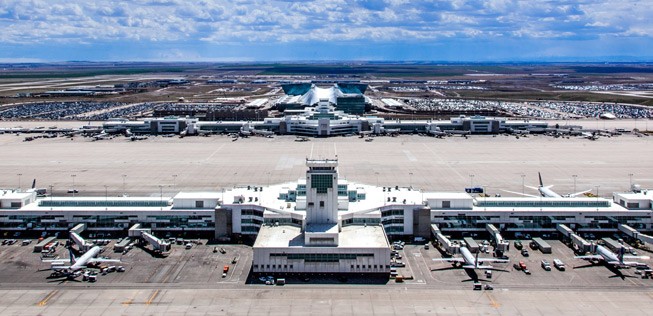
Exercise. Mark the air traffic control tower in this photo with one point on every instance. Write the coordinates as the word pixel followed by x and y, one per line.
pixel 322 244
pixel 322 224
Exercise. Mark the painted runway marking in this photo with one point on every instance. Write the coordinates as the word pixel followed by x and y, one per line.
pixel 493 302
pixel 44 301
pixel 152 297
pixel 409 155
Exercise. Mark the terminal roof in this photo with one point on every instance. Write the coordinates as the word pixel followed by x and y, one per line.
pixel 355 236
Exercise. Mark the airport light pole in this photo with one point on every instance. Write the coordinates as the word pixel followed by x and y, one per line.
pixel 51 194
pixel 20 175
pixel 377 178
pixel 174 183
pixel 630 176
pixel 73 176
pixel 485 198
pixel 597 197
pixel 411 179
pixel 574 176
pixel 124 191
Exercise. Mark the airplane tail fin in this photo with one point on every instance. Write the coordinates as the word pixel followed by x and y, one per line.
pixel 33 183
pixel 476 261
pixel 540 176
pixel 72 256
pixel 622 251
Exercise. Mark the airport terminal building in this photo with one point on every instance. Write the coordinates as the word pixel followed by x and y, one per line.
pixel 325 120
pixel 322 223
pixel 346 97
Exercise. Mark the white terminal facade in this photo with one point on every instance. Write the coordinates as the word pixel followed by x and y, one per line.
pixel 321 223
pixel 323 120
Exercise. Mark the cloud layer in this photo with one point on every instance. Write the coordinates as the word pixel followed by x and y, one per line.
pixel 186 28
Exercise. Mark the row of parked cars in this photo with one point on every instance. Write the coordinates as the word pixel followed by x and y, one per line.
pixel 395 256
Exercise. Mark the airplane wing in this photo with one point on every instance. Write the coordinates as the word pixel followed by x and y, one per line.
pixel 590 257
pixel 634 264
pixel 579 193
pixel 519 193
pixel 479 267
pixel 95 260
pixel 60 261
pixel 637 257
pixel 450 259
pixel 480 260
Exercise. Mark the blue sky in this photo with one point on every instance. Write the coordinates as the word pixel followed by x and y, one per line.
pixel 266 30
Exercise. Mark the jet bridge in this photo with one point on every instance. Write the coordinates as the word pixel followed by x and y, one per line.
pixel 443 241
pixel 160 246
pixel 633 233
pixel 81 243
pixel 579 243
pixel 500 245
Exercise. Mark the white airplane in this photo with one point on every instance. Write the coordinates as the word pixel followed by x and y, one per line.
pixel 611 258
pixel 545 191
pixel 468 261
pixel 77 264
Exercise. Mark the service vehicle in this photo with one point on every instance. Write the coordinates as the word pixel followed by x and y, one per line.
pixel 559 264
pixel 522 265
pixel 546 265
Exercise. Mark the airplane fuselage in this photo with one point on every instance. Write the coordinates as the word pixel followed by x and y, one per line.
pixel 82 261
pixel 467 256
pixel 608 256
pixel 547 192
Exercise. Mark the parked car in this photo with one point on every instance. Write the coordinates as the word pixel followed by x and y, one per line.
pixel 524 252
pixel 518 245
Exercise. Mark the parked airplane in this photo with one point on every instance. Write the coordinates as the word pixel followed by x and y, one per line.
pixel 100 136
pixel 40 192
pixel 605 255
pixel 135 138
pixel 468 261
pixel 545 191
pixel 262 132
pixel 76 264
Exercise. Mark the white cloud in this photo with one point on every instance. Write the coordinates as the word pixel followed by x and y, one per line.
pixel 222 21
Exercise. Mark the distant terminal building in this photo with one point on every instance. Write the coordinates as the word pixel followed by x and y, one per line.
pixel 346 97
pixel 154 126
pixel 323 120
